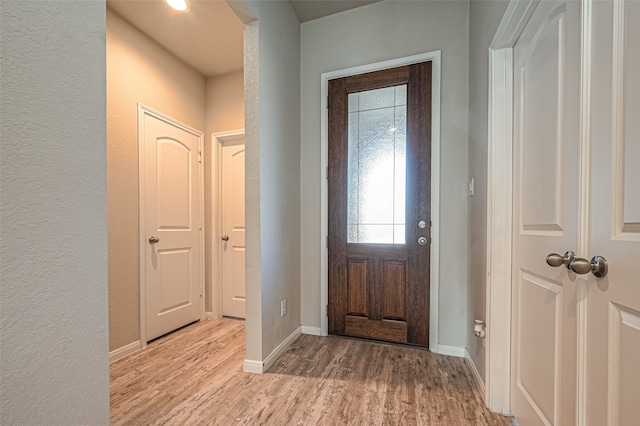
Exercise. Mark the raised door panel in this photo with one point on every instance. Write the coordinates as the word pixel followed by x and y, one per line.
pixel 357 293
pixel 541 95
pixel 539 332
pixel 626 125
pixel 174 189
pixel 174 267
pixel 394 290
pixel 624 368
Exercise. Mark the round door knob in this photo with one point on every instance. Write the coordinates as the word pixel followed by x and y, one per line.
pixel 225 238
pixel 422 241
pixel 154 240
pixel 597 266
pixel 555 260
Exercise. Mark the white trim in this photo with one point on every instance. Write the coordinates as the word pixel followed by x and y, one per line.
pixel 435 58
pixel 476 375
pixel 142 110
pixel 513 22
pixel 250 366
pixel 124 351
pixel 499 205
pixel 208 315
pixel 259 367
pixel 456 351
pixel 314 331
pixel 499 236
pixel 216 216
pixel 282 347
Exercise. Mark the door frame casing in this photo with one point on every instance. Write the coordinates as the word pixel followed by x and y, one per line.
pixel 500 204
pixel 217 140
pixel 435 58
pixel 142 111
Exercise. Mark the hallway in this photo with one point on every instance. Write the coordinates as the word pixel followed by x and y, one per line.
pixel 194 376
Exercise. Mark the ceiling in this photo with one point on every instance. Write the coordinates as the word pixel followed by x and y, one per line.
pixel 209 36
pixel 308 10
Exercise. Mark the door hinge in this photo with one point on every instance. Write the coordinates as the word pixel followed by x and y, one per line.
pixel 327 172
pixel 326 241
pixel 327 102
pixel 199 156
pixel 326 312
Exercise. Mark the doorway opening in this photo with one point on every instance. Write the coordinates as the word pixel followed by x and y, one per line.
pixel 379 158
pixel 228 292
pixel 435 59
pixel 143 67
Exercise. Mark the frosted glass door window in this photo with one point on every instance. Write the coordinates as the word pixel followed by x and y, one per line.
pixel 377 166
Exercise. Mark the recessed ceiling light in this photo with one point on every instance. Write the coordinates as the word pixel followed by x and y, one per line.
pixel 179 5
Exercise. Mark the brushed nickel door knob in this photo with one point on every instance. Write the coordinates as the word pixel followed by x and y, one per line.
pixel 154 240
pixel 597 266
pixel 555 260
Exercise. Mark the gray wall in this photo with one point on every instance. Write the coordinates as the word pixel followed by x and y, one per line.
pixel 484 18
pixel 272 192
pixel 382 31
pixel 53 232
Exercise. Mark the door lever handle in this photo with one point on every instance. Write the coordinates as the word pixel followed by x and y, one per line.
pixel 555 260
pixel 225 238
pixel 597 266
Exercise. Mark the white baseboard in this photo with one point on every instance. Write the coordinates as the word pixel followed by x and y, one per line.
pixel 259 367
pixel 124 351
pixel 314 331
pixel 208 315
pixel 250 366
pixel 474 370
pixel 450 351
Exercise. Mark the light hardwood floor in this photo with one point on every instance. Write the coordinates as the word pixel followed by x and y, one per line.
pixel 194 376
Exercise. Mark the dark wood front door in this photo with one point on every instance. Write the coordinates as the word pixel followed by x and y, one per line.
pixel 379 204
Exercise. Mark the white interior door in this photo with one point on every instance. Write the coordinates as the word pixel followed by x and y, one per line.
pixel 171 209
pixel 613 302
pixel 545 209
pixel 233 229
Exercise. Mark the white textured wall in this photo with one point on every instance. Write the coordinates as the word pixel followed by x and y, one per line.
pixel 484 18
pixel 378 32
pixel 138 70
pixel 53 229
pixel 253 260
pixel 272 102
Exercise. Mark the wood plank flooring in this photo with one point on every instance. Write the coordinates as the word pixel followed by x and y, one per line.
pixel 194 377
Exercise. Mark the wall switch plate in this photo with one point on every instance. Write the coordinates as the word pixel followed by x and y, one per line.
pixel 283 308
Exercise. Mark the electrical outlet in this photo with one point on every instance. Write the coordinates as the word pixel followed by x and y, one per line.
pixel 283 308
